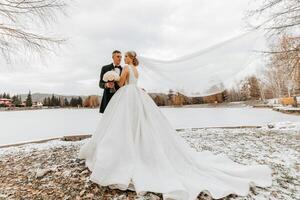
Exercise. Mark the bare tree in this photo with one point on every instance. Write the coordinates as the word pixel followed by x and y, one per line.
pixel 18 19
pixel 282 75
pixel 281 18
pixel 277 15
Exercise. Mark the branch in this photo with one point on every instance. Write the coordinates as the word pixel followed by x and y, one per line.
pixel 15 36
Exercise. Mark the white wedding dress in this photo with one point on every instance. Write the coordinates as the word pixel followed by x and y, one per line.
pixel 135 147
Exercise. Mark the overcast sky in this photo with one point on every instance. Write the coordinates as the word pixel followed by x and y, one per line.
pixel 153 28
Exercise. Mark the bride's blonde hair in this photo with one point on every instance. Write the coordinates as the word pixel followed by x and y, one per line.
pixel 133 56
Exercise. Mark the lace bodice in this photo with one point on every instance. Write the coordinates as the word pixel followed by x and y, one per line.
pixel 131 78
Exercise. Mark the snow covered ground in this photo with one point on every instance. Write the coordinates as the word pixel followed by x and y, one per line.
pixel 52 170
pixel 20 126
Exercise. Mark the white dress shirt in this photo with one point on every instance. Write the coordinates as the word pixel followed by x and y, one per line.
pixel 117 70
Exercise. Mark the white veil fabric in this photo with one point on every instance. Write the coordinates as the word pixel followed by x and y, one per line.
pixel 205 72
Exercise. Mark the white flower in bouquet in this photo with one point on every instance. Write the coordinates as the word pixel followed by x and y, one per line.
pixel 111 76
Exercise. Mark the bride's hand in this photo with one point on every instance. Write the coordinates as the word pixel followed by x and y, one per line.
pixel 123 76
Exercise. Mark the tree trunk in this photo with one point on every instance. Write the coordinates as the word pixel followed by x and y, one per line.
pixel 297 85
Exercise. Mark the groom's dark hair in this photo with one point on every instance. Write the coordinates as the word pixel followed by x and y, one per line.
pixel 116 51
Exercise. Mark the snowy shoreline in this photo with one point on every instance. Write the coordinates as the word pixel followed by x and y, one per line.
pixel 84 136
pixel 51 170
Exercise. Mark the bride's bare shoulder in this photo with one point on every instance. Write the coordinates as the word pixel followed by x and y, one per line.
pixel 125 67
pixel 136 72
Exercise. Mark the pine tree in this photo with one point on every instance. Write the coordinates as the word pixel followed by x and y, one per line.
pixel 79 101
pixel 66 102
pixel 29 100
pixel 52 100
pixel 6 95
pixel 72 102
pixel 16 100
pixel 45 102
pixel 48 101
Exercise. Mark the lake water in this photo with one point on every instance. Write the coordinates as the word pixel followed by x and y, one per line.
pixel 20 126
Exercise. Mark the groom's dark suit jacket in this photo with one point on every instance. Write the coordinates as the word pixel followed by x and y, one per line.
pixel 107 95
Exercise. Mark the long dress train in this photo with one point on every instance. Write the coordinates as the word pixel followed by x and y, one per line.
pixel 135 147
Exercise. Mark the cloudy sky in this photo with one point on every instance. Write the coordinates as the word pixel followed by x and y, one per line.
pixel 153 28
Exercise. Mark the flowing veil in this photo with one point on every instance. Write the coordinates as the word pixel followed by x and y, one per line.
pixel 205 72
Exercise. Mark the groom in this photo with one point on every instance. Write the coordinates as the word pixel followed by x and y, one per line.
pixel 107 93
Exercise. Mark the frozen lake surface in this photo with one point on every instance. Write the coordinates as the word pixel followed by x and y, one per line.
pixel 20 126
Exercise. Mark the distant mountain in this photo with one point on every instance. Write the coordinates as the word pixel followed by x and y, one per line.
pixel 41 96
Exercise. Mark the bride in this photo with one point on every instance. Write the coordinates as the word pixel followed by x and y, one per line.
pixel 134 147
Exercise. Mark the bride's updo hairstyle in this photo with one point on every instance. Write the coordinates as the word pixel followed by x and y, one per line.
pixel 133 55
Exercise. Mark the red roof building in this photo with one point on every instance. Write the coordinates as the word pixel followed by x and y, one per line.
pixel 6 102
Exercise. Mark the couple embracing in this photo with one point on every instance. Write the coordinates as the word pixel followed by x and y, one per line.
pixel 110 87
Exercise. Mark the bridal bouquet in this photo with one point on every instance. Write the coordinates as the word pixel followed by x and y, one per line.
pixel 111 76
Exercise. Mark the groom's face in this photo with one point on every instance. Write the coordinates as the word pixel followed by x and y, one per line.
pixel 117 57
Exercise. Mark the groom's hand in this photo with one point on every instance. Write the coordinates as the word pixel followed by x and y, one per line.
pixel 109 85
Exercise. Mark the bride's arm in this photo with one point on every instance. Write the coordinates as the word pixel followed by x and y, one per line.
pixel 123 76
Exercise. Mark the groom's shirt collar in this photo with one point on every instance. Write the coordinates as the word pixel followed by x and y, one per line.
pixel 116 65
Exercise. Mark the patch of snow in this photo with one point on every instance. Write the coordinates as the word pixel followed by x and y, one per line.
pixel 42 172
pixel 287 108
pixel 284 125
pixel 33 147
